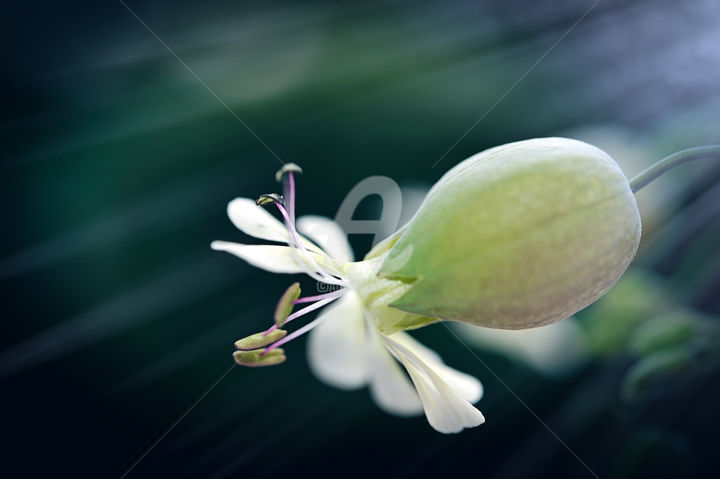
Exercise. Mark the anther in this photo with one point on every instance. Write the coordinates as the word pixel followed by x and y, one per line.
pixel 259 340
pixel 285 305
pixel 270 198
pixel 257 358
pixel 287 168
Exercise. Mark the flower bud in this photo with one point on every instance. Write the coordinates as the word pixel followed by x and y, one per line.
pixel 517 236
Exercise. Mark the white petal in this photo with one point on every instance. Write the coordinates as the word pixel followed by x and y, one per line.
pixel 337 351
pixel 328 235
pixel 390 387
pixel 446 410
pixel 276 259
pixel 256 221
pixel 467 386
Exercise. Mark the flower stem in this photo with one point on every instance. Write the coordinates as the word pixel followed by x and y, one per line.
pixel 670 162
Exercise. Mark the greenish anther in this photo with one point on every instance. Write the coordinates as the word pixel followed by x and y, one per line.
pixel 259 340
pixel 259 357
pixel 287 168
pixel 285 304
pixel 269 198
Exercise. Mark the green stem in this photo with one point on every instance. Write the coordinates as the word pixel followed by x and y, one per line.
pixel 670 162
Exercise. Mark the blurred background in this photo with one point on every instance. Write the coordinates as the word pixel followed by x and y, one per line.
pixel 119 158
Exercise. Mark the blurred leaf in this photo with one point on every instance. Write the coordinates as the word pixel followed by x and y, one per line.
pixel 609 322
pixel 672 329
pixel 657 371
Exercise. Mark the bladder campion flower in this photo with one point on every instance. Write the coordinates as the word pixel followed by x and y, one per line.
pixel 346 349
pixel 515 237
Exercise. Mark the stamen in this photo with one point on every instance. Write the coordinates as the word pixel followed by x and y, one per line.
pixel 325 277
pixel 294 335
pixel 289 189
pixel 259 340
pixel 269 198
pixel 287 168
pixel 304 311
pixel 285 305
pixel 259 358
pixel 285 174
pixel 310 299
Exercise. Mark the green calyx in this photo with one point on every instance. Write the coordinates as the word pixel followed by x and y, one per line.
pixel 517 236
pixel 376 293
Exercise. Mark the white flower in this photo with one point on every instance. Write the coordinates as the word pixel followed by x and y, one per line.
pixel 346 348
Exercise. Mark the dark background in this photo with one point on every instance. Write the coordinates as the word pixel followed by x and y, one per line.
pixel 117 164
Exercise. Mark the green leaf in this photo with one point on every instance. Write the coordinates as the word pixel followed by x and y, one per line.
pixel 669 330
pixel 656 370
